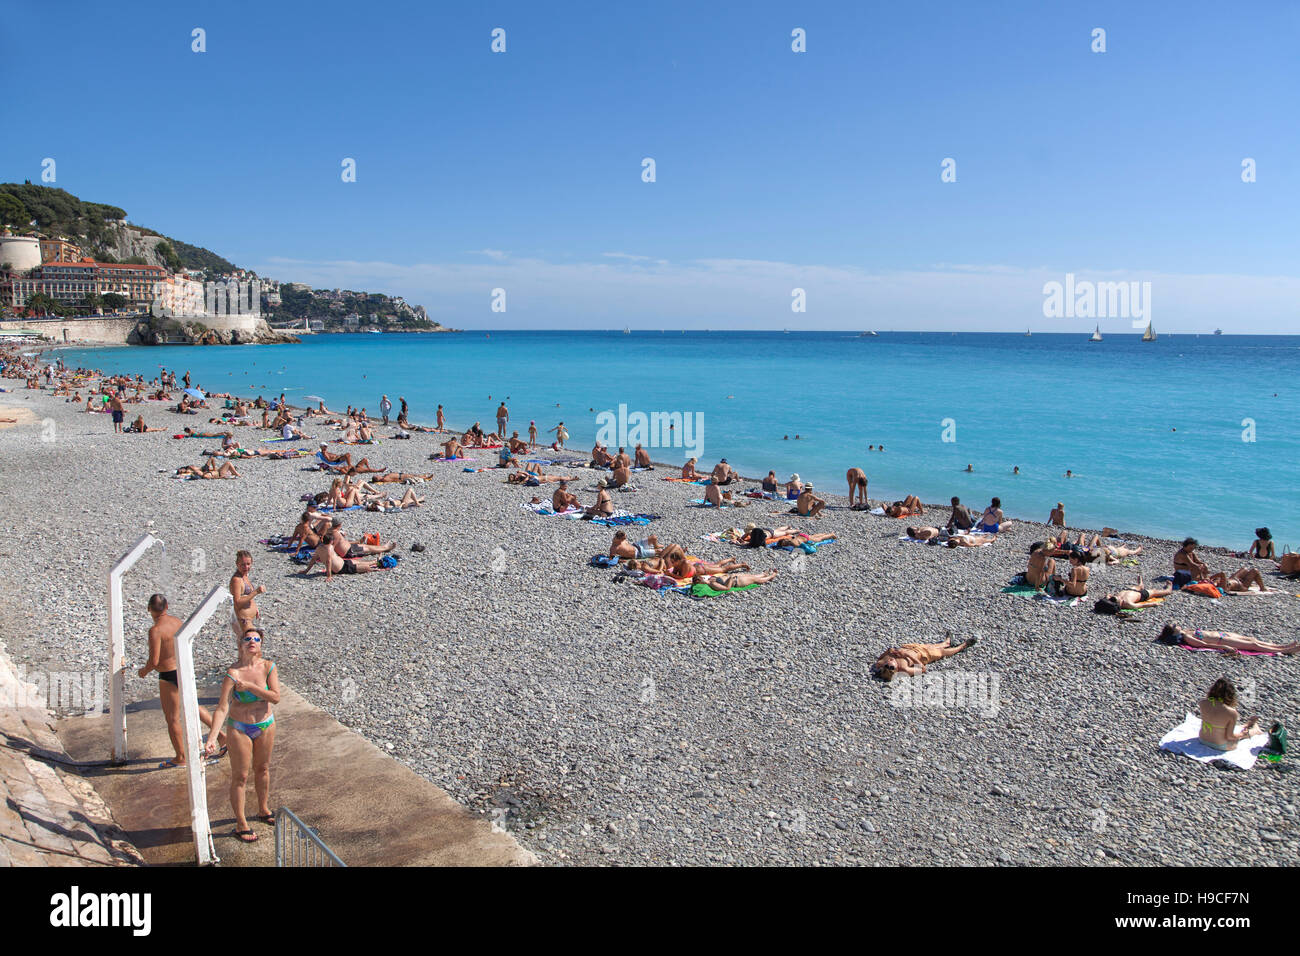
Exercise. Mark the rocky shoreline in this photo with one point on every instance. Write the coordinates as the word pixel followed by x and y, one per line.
pixel 605 724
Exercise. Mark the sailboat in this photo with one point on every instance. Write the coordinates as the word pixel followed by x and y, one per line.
pixel 627 331
pixel 1096 335
pixel 1149 335
pixel 1028 333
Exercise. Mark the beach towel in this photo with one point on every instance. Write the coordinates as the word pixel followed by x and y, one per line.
pixel 603 561
pixel 1221 650
pixel 327 509
pixel 475 471
pixel 1021 589
pixel 445 458
pixel 877 511
pixel 701 503
pixel 545 510
pixel 1204 588
pixel 1183 740
pixel 764 495
pixel 1255 593
pixel 622 518
pixel 701 590
pixel 690 481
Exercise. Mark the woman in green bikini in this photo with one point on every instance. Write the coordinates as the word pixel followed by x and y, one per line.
pixel 250 688
pixel 1219 718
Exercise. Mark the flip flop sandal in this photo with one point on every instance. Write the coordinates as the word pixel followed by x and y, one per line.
pixel 246 836
pixel 267 818
pixel 168 764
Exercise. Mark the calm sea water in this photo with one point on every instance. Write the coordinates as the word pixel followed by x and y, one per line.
pixel 1152 431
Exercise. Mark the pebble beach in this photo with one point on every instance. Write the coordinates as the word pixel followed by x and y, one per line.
pixel 605 724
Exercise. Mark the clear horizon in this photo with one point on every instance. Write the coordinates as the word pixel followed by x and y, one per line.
pixel 775 170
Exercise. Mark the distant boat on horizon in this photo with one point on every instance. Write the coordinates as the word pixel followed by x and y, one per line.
pixel 1028 333
pixel 1149 335
pixel 868 335
pixel 1218 331
pixel 627 331
pixel 1096 335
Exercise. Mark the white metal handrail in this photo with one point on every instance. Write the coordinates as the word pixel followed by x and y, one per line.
pixel 297 844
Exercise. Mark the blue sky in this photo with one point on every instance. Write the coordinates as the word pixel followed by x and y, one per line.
pixel 775 169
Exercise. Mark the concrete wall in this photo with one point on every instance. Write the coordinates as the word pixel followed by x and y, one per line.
pixel 116 331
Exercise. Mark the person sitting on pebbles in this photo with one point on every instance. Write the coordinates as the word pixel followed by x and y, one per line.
pixel 912 659
pixel 604 506
pixel 639 550
pixel 808 504
pixel 712 496
pixel 622 474
pixel 563 499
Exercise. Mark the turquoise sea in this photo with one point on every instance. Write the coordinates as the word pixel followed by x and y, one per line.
pixel 1152 431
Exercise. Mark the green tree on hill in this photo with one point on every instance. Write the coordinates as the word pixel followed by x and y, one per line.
pixel 12 211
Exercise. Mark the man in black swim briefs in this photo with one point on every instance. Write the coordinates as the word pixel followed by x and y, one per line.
pixel 162 658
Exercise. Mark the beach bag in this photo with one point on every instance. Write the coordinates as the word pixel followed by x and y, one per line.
pixel 371 538
pixel 1276 739
pixel 1204 588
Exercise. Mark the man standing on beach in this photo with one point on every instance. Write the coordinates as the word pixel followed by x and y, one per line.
pixel 385 406
pixel 503 416
pixel 442 421
pixel 532 434
pixel 162 658
pixel 119 412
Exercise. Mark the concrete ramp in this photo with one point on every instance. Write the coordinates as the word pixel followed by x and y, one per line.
pixel 368 808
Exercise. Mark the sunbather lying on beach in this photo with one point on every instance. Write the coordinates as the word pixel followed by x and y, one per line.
pixel 1239 581
pixel 326 556
pixel 685 567
pixel 1113 553
pixel 911 505
pixel 622 547
pixel 726 582
pixel 1172 633
pixel 912 659
pixel 408 500
pixel 1130 598
pixel 209 469
pixel 191 433
pixel 970 539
